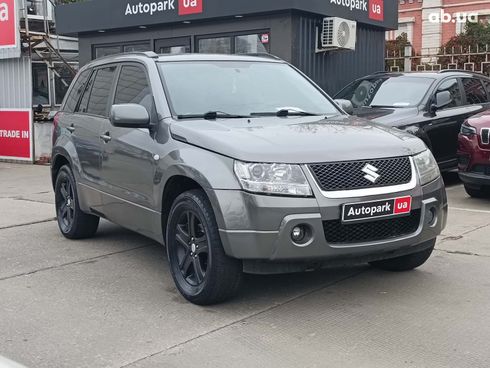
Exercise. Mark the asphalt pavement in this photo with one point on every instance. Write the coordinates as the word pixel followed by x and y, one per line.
pixel 110 301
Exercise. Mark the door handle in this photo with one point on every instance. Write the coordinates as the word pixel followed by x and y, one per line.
pixel 106 137
pixel 71 128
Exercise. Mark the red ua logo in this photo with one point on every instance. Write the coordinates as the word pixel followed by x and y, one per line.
pixel 190 7
pixel 376 10
pixel 7 23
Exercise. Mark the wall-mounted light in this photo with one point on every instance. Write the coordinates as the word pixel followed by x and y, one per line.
pixel 142 27
pixel 186 22
pixel 238 16
pixel 101 31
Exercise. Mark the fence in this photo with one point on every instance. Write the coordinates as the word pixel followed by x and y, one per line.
pixel 475 59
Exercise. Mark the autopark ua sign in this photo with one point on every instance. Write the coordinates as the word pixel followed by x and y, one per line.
pixel 374 8
pixel 184 7
pixel 16 142
pixel 8 24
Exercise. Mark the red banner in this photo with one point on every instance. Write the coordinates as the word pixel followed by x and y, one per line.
pixel 16 134
pixel 8 23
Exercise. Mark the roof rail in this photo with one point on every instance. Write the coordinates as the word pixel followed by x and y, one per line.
pixel 263 55
pixel 149 54
pixel 460 71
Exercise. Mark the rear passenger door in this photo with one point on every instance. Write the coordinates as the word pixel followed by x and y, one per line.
pixel 86 124
pixel 128 165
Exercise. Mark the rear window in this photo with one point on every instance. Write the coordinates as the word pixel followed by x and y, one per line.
pixel 474 90
pixel 76 91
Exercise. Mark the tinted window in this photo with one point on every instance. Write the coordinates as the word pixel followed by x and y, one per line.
pixel 452 86
pixel 487 85
pixel 241 88
pixel 76 91
pixel 387 92
pixel 99 97
pixel 86 94
pixel 133 87
pixel 475 93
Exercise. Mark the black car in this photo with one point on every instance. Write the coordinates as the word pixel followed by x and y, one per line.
pixel 431 105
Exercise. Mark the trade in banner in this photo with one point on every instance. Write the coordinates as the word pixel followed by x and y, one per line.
pixel 16 141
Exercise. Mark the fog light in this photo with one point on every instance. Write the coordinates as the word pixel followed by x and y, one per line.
pixel 298 234
pixel 431 216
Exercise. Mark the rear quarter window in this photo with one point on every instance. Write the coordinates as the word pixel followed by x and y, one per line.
pixel 474 90
pixel 77 90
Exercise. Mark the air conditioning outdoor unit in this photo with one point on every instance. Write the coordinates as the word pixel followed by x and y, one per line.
pixel 337 34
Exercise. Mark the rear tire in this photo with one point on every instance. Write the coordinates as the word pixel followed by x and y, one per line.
pixel 72 221
pixel 481 192
pixel 405 263
pixel 201 270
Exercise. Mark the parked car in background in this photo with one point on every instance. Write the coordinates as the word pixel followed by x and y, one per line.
pixel 239 164
pixel 474 155
pixel 431 105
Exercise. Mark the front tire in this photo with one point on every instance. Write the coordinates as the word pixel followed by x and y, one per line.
pixel 481 192
pixel 72 221
pixel 406 263
pixel 202 272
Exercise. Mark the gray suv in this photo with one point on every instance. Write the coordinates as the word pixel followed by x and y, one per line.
pixel 239 164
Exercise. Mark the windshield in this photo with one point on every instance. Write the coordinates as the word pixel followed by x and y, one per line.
pixel 235 89
pixel 387 92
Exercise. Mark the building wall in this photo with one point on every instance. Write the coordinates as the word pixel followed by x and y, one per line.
pixel 333 70
pixel 423 34
pixel 15 82
pixel 278 24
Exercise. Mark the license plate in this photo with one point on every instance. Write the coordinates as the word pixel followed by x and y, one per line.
pixel 364 211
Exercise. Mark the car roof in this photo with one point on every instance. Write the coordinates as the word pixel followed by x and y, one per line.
pixel 429 74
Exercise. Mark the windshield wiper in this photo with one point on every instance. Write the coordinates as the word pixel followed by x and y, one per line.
pixel 213 115
pixel 284 113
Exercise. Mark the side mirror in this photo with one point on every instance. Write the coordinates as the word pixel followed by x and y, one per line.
pixel 345 105
pixel 443 99
pixel 129 116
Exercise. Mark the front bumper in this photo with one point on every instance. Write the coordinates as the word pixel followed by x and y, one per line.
pixel 257 227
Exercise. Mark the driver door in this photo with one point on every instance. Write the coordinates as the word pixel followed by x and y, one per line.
pixel 443 128
pixel 128 165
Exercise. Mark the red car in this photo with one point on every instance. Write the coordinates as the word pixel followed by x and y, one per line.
pixel 474 155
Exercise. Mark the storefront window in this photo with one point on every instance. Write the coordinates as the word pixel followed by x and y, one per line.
pixel 101 51
pixel 137 47
pixel 249 44
pixel 62 81
pixel 40 84
pixel 174 50
pixel 106 50
pixel 219 45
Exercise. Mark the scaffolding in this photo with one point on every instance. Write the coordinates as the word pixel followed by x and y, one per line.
pixel 41 43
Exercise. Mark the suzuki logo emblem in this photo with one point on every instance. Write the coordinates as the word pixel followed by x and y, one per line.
pixel 371 173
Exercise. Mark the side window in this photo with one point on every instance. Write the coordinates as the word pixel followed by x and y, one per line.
pixel 86 94
pixel 101 89
pixel 76 91
pixel 487 85
pixel 133 87
pixel 452 86
pixel 474 90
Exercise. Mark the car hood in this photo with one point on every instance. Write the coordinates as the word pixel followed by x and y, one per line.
pixel 297 140
pixel 386 115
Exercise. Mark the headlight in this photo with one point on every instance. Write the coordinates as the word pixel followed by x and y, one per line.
pixel 467 130
pixel 427 167
pixel 280 179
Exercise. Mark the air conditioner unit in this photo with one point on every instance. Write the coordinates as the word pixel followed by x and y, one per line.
pixel 337 34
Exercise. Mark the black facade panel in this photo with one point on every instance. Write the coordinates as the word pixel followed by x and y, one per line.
pixel 334 69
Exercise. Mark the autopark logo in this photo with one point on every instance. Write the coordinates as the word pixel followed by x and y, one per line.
pixel 185 7
pixel 8 23
pixel 374 8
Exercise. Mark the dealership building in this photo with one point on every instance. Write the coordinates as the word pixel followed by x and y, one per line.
pixel 332 41
pixel 331 51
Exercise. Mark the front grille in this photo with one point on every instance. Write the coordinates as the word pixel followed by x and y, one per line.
pixel 349 175
pixel 481 169
pixel 338 233
pixel 485 136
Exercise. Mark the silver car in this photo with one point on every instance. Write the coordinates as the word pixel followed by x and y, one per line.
pixel 239 164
